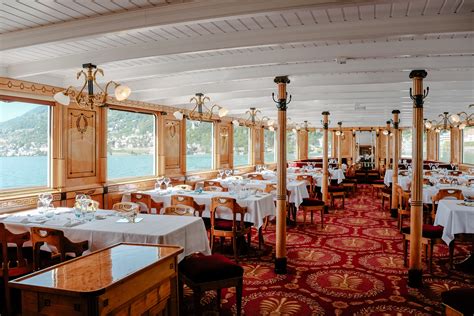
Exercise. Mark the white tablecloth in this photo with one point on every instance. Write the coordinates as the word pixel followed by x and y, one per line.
pixel 455 218
pixel 298 190
pixel 257 207
pixel 185 231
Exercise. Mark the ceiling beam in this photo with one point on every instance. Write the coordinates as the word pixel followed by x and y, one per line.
pixel 173 14
pixel 307 33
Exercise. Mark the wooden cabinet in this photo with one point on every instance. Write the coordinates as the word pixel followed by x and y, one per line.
pixel 125 279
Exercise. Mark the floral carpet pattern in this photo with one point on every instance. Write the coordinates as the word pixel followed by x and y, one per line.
pixel 352 266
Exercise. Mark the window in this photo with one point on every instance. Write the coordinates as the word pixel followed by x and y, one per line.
pixel 407 141
pixel 425 145
pixel 269 146
pixel 315 144
pixel 468 145
pixel 130 144
pixel 241 146
pixel 290 145
pixel 199 145
pixel 444 150
pixel 24 145
pixel 329 143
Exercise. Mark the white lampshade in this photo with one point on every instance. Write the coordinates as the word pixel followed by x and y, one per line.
pixel 61 98
pixel 385 132
pixel 235 123
pixel 462 126
pixel 294 130
pixel 338 133
pixel 271 122
pixel 455 118
pixel 178 115
pixel 222 112
pixel 271 128
pixel 122 92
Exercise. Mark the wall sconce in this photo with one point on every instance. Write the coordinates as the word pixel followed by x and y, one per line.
pixel 235 123
pixel 340 132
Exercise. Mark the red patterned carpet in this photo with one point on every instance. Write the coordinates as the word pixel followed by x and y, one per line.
pixel 354 266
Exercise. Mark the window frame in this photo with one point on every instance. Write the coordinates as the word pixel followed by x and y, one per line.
pixel 439 146
pixel 274 146
pixel 155 144
pixel 462 146
pixel 52 134
pixel 213 147
pixel 249 146
pixel 322 137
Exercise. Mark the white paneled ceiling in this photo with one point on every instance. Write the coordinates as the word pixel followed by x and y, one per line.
pixel 349 57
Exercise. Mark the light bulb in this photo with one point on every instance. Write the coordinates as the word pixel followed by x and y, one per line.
pixel 462 126
pixel 178 115
pixel 62 98
pixel 222 112
pixel 385 132
pixel 235 123
pixel 271 122
pixel 271 128
pixel 338 133
pixel 122 92
pixel 455 118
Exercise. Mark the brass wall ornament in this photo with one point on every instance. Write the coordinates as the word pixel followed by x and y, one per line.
pixel 253 119
pixel 200 111
pixel 446 122
pixel 90 99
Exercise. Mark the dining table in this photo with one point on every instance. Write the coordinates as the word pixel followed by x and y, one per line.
pixel 108 227
pixel 259 205
pixel 457 217
pixel 316 173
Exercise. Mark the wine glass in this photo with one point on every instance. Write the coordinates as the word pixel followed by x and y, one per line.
pixel 167 182
pixel 46 198
pixel 159 183
pixel 221 173
pixel 228 172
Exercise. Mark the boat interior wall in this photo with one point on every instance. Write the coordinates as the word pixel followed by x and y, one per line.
pixel 79 148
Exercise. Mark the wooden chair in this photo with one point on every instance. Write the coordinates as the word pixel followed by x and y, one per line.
pixel 312 205
pixel 336 191
pixel 403 206
pixel 145 202
pixel 185 200
pixel 272 189
pixel 179 210
pixel 310 183
pixel 126 207
pixel 232 229
pixel 430 235
pixel 456 173
pixel 204 273
pixel 444 194
pixel 13 263
pixel 213 188
pixel 209 183
pixel 386 195
pixel 255 176
pixel 56 239
pixel 185 187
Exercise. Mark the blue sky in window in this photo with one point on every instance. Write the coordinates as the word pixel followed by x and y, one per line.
pixel 9 110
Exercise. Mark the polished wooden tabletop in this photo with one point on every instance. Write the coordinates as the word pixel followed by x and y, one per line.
pixel 98 270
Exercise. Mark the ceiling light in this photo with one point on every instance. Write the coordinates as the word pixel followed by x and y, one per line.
pixel 62 98
pixel 122 92
pixel 178 115
pixel 235 123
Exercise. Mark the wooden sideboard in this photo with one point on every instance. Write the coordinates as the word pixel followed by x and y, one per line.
pixel 124 279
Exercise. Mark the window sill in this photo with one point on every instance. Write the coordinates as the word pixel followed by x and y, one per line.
pixel 25 192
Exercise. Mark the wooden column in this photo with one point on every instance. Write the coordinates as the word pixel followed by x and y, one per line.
pixel 339 146
pixel 396 154
pixel 324 185
pixel 280 251
pixel 376 149
pixel 387 150
pixel 415 272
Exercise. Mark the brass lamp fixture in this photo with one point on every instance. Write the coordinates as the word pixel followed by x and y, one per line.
pixel 253 119
pixel 445 123
pixel 340 132
pixel 200 111
pixel 463 119
pixel 91 99
pixel 387 131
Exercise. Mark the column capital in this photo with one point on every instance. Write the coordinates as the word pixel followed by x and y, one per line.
pixel 325 113
pixel 396 112
pixel 281 79
pixel 418 73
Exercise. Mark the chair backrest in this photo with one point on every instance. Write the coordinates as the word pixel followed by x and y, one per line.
pixel 126 207
pixel 226 204
pixel 402 197
pixel 428 173
pixel 453 194
pixel 456 173
pixel 7 237
pixel 351 171
pixel 426 181
pixel 179 210
pixel 184 200
pixel 213 188
pixel 55 238
pixel 186 187
pixel 255 176
pixel 305 177
pixel 209 183
pixel 144 201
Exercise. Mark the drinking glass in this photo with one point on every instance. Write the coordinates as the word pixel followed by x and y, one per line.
pixel 228 172
pixel 46 198
pixel 50 211
pixel 221 173
pixel 167 182
pixel 41 207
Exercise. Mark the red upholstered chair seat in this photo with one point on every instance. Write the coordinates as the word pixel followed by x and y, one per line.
pixel 460 300
pixel 225 224
pixel 200 268
pixel 312 202
pixel 429 231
